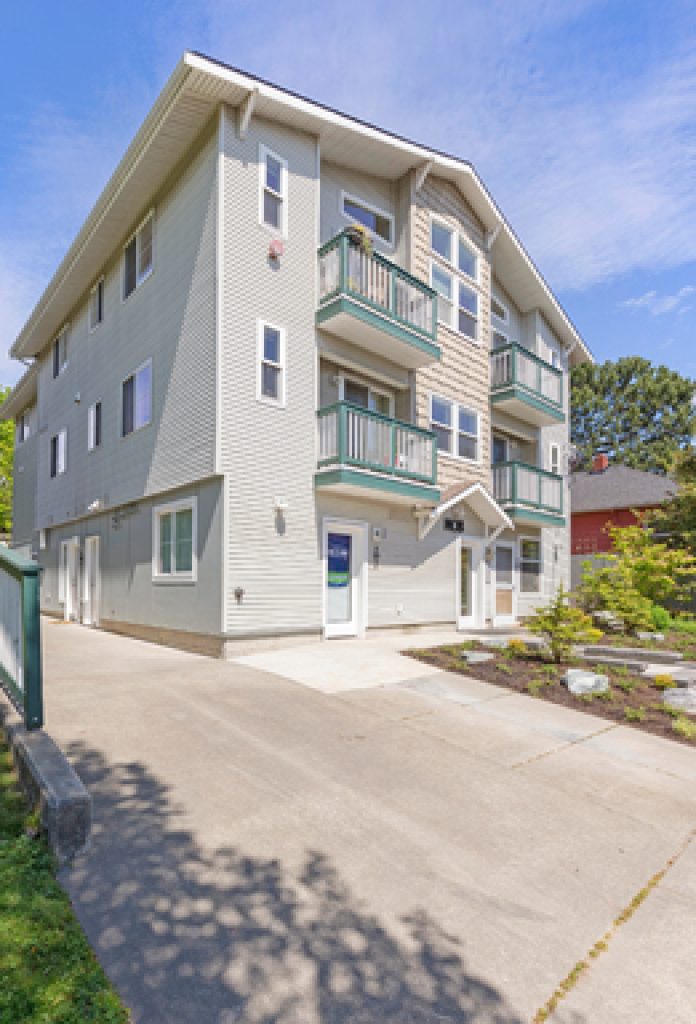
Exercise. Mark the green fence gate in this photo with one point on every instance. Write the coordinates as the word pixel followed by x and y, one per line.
pixel 20 636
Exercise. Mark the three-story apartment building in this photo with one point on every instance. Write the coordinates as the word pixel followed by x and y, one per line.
pixel 295 375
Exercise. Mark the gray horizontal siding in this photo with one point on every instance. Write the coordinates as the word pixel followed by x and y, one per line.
pixel 169 318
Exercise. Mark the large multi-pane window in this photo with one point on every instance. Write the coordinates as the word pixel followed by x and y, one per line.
pixel 174 541
pixel 457 428
pixel 453 275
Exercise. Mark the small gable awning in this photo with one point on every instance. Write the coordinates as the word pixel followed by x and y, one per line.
pixel 473 494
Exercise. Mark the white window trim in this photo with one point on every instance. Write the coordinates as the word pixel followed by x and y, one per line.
pixel 264 152
pixel 26 416
pixel 62 334
pixel 134 373
pixel 455 429
pixel 281 402
pixel 468 282
pixel 170 508
pixel 456 235
pixel 62 436
pixel 139 280
pixel 373 208
pixel 92 446
pixel 537 540
pixel 500 319
pixel 94 326
pixel 554 446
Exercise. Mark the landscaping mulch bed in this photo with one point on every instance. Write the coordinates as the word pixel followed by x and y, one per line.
pixel 632 699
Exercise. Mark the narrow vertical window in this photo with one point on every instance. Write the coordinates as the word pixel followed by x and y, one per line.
pixel 441 422
pixel 136 399
pixel 138 256
pixel 271 363
pixel 273 184
pixel 96 305
pixel 58 453
pixel 60 353
pixel 555 458
pixel 174 541
pixel 94 426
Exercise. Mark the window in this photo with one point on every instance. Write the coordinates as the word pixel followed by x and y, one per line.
pixel 136 399
pixel 96 305
pixel 499 339
pixel 271 363
pixel 137 257
pixel 24 426
pixel 174 547
pixel 60 353
pixel 58 453
pixel 530 565
pixel 555 457
pixel 500 449
pixel 458 302
pixel 94 426
pixel 498 310
pixel 377 222
pixel 273 194
pixel 456 428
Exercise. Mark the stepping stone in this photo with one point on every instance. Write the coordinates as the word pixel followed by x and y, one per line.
pixel 478 657
pixel 580 682
pixel 682 699
pixel 654 638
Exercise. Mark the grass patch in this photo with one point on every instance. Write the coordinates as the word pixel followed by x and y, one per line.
pixel 634 714
pixel 684 728
pixel 47 970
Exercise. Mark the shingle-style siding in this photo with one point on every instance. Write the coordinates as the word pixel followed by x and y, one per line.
pixel 128 593
pixel 268 452
pixel 170 318
pixel 24 490
pixel 463 373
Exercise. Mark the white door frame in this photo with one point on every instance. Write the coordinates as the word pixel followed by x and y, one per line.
pixel 71 608
pixel 90 616
pixel 477 617
pixel 504 620
pixel 358 531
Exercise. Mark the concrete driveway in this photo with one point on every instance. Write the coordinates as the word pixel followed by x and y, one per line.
pixel 435 850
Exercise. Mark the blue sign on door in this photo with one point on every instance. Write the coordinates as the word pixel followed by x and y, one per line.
pixel 339 560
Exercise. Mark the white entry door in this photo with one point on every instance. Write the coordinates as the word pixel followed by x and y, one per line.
pixel 69 587
pixel 504 585
pixel 469 610
pixel 91 583
pixel 345 583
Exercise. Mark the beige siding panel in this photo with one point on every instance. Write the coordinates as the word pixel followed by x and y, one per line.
pixel 170 318
pixel 269 453
pixel 463 372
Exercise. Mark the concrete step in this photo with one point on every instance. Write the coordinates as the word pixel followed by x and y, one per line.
pixel 650 655
pixel 633 665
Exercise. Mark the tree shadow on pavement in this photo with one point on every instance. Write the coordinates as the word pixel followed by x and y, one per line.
pixel 216 938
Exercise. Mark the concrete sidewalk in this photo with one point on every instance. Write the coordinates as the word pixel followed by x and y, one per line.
pixel 434 850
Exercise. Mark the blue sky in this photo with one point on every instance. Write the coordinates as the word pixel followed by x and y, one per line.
pixel 580 116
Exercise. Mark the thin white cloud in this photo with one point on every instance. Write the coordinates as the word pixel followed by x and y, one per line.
pixel 658 305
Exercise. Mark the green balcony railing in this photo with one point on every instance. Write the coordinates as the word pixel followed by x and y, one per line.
pixel 512 365
pixel 346 269
pixel 20 636
pixel 352 436
pixel 517 484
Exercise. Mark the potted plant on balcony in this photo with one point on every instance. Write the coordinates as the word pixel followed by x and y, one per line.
pixel 359 236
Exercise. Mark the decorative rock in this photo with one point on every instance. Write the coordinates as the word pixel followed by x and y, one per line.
pixel 682 699
pixel 609 621
pixel 655 638
pixel 535 643
pixel 580 682
pixel 478 657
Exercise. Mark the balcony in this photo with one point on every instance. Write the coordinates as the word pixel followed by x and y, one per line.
pixel 529 494
pixel 371 302
pixel 526 386
pixel 361 451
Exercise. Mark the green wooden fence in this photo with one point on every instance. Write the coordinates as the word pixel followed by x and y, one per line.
pixel 20 636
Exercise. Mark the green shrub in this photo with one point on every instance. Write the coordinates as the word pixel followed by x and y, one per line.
pixel 663 682
pixel 661 619
pixel 563 626
pixel 684 625
pixel 684 728
pixel 517 648
pixel 634 714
